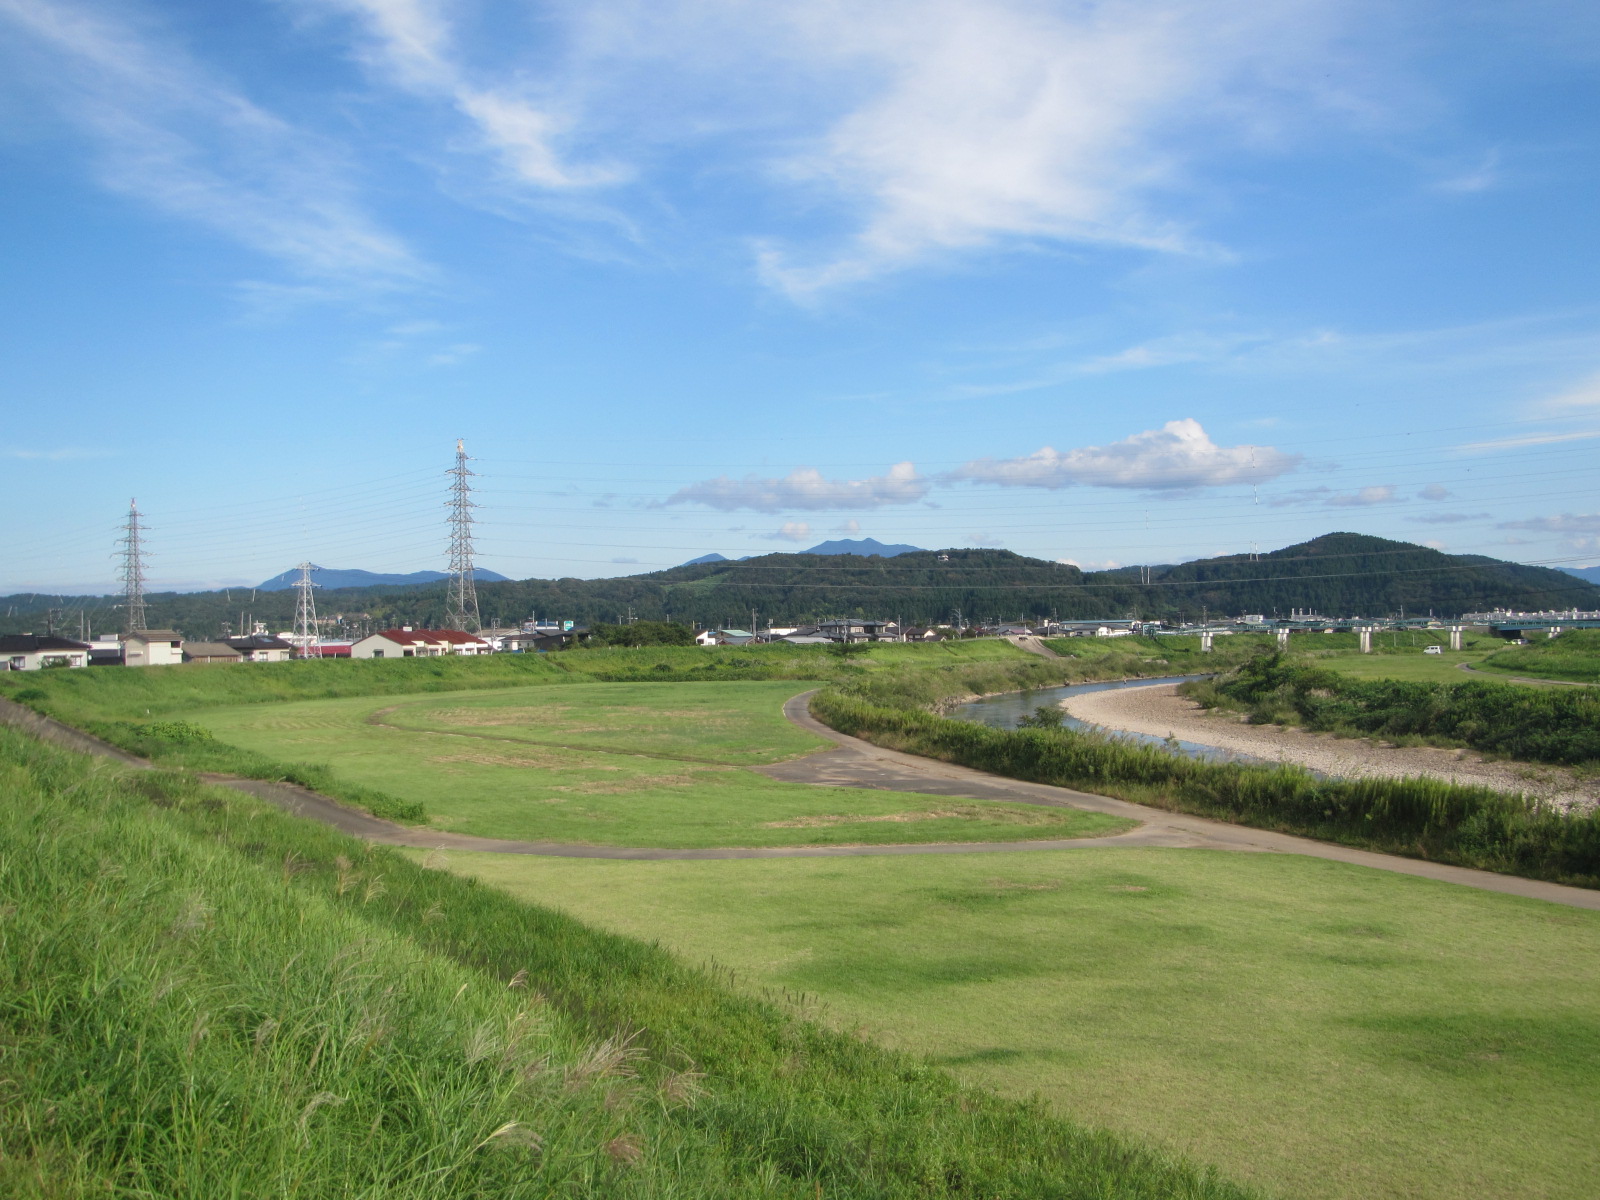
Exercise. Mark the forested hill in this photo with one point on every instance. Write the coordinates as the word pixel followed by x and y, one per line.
pixel 1340 574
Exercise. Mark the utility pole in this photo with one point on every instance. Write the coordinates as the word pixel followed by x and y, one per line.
pixel 305 614
pixel 461 609
pixel 133 570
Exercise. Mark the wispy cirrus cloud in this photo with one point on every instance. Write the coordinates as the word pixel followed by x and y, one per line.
pixel 168 132
pixel 984 122
pixel 805 488
pixel 1528 439
pixel 1450 518
pixel 413 45
pixel 1561 523
pixel 1178 455
pixel 1382 493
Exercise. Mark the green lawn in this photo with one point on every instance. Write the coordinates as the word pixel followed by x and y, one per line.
pixel 1316 1029
pixel 650 764
pixel 1417 667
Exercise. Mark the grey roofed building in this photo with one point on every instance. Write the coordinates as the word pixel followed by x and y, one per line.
pixel 30 652
pixel 210 652
pixel 261 647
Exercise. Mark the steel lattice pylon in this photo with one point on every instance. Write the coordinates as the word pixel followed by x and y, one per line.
pixel 461 608
pixel 306 638
pixel 133 570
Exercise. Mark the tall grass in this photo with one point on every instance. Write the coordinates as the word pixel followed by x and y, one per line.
pixel 1469 826
pixel 203 997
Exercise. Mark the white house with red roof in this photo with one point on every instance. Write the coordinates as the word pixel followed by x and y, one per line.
pixel 407 642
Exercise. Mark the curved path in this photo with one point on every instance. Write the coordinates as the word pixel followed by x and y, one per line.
pixel 851 762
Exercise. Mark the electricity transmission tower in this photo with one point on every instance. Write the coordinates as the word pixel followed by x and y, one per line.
pixel 305 614
pixel 133 570
pixel 461 609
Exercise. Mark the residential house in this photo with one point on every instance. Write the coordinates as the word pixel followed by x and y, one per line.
pixel 262 647
pixel 407 642
pixel 33 652
pixel 210 652
pixel 152 648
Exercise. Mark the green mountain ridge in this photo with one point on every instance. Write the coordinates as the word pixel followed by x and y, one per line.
pixel 1336 575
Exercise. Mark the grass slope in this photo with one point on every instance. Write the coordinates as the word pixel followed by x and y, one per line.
pixel 202 997
pixel 1321 1030
pixel 648 764
pixel 1574 656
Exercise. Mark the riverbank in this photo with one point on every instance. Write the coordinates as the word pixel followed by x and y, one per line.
pixel 1159 711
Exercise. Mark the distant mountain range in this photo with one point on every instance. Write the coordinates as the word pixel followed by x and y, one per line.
pixel 862 546
pixel 330 577
pixel 1588 574
pixel 1337 575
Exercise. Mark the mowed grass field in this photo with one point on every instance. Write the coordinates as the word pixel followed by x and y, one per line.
pixel 1316 1029
pixel 655 764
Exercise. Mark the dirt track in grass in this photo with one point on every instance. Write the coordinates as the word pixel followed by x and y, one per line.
pixel 850 762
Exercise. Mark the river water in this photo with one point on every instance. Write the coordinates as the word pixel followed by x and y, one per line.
pixel 1005 711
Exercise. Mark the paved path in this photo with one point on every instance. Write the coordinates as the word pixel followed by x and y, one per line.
pixel 1032 645
pixel 1502 677
pixel 850 762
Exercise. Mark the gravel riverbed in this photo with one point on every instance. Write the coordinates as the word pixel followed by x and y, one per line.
pixel 1158 710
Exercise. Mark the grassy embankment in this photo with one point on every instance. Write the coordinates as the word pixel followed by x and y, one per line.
pixel 1320 1030
pixel 1469 826
pixel 202 997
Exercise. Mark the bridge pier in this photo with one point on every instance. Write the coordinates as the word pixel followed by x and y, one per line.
pixel 1555 630
pixel 1455 637
pixel 1205 643
pixel 1366 640
pixel 1283 640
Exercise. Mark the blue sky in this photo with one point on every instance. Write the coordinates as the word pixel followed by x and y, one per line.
pixel 1102 282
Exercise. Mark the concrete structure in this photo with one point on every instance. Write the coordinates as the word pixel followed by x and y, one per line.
pixel 1205 642
pixel 31 652
pixel 1283 639
pixel 152 648
pixel 1455 637
pixel 1365 636
pixel 210 652
pixel 406 642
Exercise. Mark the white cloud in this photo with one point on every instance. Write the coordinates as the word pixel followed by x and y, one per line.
pixel 1178 455
pixel 851 527
pixel 791 531
pixel 412 44
pixel 1362 497
pixel 1435 544
pixel 169 134
pixel 1434 491
pixel 1088 564
pixel 985 121
pixel 805 488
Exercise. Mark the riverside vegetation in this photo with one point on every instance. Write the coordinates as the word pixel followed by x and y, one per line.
pixel 203 997
pixel 1467 826
pixel 1547 725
